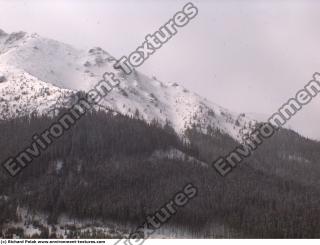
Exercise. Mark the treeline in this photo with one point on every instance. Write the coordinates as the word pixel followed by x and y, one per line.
pixel 102 158
pixel 97 135
pixel 272 194
pixel 102 169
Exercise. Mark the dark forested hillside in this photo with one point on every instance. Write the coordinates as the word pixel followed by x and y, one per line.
pixel 102 169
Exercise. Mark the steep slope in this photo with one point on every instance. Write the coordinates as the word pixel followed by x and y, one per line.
pixel 22 94
pixel 147 98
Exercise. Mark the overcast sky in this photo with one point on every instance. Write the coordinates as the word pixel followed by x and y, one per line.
pixel 248 56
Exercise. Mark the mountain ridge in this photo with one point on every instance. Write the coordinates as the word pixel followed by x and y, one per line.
pixel 69 69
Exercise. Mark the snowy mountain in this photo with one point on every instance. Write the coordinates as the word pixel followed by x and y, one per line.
pixel 22 94
pixel 39 74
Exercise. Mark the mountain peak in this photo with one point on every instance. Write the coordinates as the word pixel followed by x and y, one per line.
pixel 65 67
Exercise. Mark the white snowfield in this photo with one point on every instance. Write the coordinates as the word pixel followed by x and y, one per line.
pixel 41 73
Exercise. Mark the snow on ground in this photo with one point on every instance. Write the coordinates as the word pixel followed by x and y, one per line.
pixel 176 154
pixel 33 224
pixel 59 165
pixel 66 227
pixel 22 94
pixel 292 157
pixel 40 62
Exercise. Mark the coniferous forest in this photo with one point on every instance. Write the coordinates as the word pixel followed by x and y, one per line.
pixel 104 168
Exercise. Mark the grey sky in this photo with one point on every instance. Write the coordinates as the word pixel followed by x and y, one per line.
pixel 248 56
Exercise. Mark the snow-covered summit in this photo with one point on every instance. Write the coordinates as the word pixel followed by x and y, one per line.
pixel 39 64
pixel 21 94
